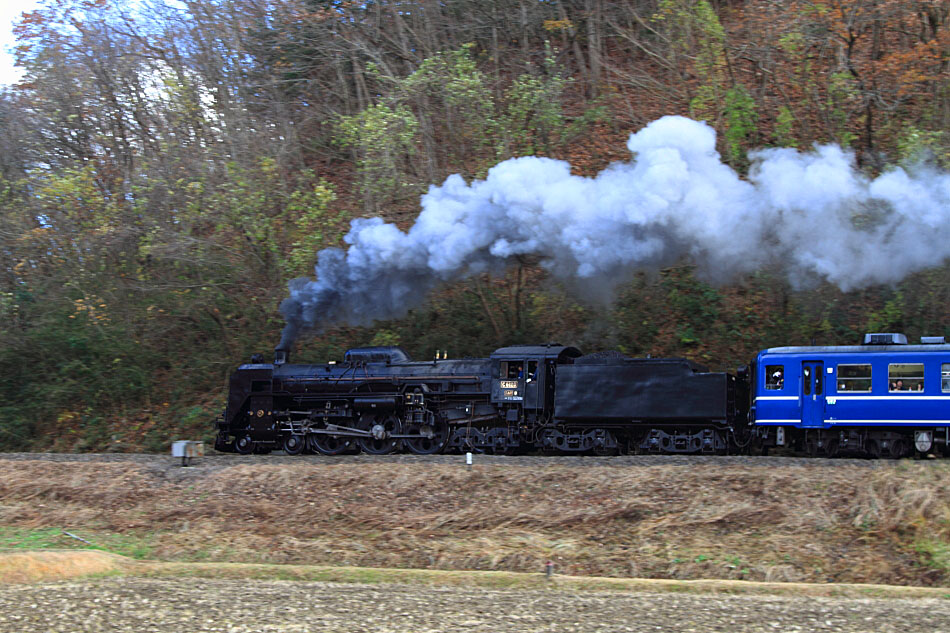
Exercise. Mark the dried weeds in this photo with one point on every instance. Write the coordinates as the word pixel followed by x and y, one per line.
pixel 846 524
pixel 35 566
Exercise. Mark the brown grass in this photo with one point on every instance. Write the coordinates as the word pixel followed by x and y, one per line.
pixel 18 567
pixel 42 566
pixel 784 523
pixel 515 580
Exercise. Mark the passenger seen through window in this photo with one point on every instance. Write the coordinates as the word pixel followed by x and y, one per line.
pixel 905 377
pixel 774 377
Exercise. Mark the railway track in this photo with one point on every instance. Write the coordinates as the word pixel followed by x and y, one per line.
pixel 225 460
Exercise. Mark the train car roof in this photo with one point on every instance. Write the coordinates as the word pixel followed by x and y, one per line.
pixel 856 349
pixel 551 350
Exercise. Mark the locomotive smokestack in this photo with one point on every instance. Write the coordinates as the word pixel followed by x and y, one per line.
pixel 282 351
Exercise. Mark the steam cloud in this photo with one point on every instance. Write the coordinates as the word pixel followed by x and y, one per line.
pixel 811 213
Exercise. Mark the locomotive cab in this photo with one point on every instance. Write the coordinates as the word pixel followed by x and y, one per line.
pixel 523 378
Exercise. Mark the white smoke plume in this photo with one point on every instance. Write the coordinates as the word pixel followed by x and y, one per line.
pixel 812 213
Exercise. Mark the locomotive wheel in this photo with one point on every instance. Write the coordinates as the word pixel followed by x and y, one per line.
pixel 381 427
pixel 329 444
pixel 429 445
pixel 293 444
pixel 222 445
pixel 244 445
pixel 603 451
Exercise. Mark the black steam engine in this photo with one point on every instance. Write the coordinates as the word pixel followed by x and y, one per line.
pixel 378 400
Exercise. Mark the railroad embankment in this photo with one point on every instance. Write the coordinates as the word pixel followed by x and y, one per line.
pixel 760 519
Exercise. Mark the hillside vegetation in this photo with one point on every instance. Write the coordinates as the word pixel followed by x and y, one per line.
pixel 166 168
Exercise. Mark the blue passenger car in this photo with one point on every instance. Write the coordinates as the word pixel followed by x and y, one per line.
pixel 884 397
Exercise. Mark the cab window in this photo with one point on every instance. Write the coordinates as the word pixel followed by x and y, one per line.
pixel 512 370
pixel 774 377
pixel 854 378
pixel 532 373
pixel 905 377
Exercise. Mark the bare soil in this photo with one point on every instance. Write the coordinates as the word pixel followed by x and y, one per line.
pixel 770 519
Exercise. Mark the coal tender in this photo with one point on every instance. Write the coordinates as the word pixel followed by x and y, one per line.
pixel 668 405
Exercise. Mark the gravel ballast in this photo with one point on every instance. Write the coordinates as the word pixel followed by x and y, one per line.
pixel 215 461
pixel 199 605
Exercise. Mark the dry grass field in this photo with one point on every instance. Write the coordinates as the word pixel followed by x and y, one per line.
pixel 69 591
pixel 767 520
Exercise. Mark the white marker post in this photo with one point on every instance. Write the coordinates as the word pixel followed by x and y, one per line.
pixel 468 459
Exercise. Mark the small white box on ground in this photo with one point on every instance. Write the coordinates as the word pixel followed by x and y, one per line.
pixel 187 450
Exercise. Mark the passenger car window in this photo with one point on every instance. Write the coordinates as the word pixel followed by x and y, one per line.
pixel 774 377
pixel 854 378
pixel 807 384
pixel 945 377
pixel 905 377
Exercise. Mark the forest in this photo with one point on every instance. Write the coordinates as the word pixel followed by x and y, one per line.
pixel 168 166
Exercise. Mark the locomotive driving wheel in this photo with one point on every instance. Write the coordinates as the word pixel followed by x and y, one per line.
pixel 330 444
pixel 381 429
pixel 433 436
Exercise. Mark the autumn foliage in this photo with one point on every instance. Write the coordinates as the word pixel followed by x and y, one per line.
pixel 166 168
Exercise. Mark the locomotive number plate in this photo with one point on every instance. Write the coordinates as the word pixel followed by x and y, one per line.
pixel 509 384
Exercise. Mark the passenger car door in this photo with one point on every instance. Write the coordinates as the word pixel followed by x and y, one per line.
pixel 813 393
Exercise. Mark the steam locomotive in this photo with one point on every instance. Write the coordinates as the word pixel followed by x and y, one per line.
pixel 524 397
pixel 824 400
